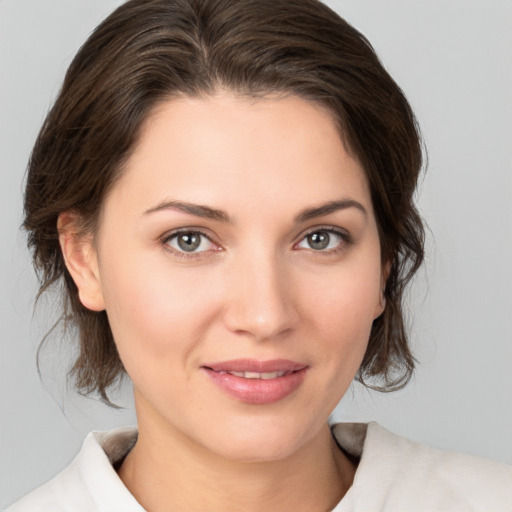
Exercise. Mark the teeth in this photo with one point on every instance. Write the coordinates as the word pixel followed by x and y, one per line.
pixel 271 375
pixel 256 375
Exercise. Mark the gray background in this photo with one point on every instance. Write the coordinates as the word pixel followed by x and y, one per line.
pixel 453 60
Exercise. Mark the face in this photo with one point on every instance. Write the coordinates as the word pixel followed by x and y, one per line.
pixel 238 260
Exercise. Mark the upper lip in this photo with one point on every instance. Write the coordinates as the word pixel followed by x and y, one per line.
pixel 254 365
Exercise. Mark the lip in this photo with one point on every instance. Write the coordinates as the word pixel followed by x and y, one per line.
pixel 257 391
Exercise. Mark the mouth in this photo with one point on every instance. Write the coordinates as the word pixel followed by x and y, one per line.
pixel 256 375
pixel 257 382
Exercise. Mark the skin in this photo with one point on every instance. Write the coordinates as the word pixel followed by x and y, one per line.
pixel 255 288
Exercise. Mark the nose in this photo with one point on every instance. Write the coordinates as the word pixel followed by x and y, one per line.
pixel 261 301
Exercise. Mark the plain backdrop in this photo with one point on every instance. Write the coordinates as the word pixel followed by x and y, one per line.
pixel 453 59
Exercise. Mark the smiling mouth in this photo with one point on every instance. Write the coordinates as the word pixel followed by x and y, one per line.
pixel 256 369
pixel 257 375
pixel 257 382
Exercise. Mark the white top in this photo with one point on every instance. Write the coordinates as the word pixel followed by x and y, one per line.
pixel 394 475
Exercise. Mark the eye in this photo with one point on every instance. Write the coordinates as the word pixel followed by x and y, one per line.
pixel 323 240
pixel 189 242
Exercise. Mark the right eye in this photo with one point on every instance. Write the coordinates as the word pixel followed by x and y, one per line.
pixel 189 242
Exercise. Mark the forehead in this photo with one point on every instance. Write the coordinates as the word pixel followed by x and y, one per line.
pixel 225 147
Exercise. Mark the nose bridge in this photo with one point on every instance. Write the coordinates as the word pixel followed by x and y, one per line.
pixel 260 300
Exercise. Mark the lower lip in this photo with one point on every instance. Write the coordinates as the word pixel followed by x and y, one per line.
pixel 257 391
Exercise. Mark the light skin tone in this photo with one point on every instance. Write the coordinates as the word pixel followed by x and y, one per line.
pixel 239 229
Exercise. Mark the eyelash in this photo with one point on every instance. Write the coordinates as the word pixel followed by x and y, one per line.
pixel 346 239
pixel 344 235
pixel 187 231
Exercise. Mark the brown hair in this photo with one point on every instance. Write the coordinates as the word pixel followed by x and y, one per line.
pixel 146 52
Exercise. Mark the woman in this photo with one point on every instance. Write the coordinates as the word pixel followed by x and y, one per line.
pixel 225 189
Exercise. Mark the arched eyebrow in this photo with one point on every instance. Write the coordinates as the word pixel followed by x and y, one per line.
pixel 330 207
pixel 197 210
pixel 207 212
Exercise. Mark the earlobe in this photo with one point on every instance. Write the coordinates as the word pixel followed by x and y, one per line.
pixel 381 304
pixel 81 260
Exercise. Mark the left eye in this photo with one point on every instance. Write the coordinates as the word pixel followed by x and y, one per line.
pixel 189 241
pixel 321 240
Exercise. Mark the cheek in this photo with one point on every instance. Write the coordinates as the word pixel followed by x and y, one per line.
pixel 155 313
pixel 342 314
pixel 348 299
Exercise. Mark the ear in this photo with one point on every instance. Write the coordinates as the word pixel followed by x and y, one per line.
pixel 81 260
pixel 381 305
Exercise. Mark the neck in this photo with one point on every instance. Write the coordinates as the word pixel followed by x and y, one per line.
pixel 166 471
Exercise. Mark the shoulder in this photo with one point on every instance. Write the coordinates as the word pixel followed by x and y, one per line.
pixel 89 482
pixel 403 474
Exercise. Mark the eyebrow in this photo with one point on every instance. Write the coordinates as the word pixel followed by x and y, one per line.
pixel 330 207
pixel 192 209
pixel 221 216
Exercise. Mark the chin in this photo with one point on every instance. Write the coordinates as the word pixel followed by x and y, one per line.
pixel 258 441
pixel 256 450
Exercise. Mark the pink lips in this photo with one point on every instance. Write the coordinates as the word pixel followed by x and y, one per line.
pixel 257 382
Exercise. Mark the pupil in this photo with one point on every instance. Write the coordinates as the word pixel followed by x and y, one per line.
pixel 319 240
pixel 189 241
